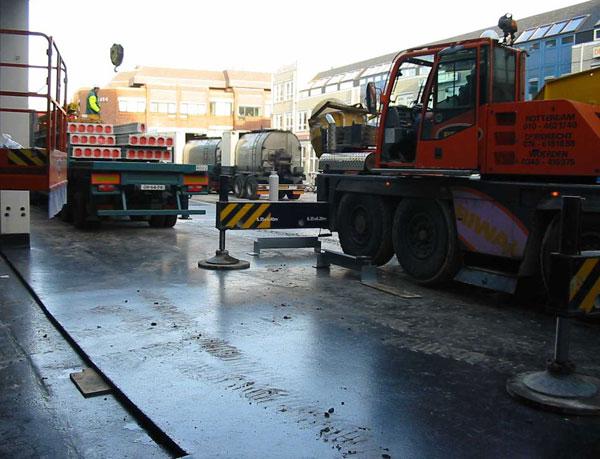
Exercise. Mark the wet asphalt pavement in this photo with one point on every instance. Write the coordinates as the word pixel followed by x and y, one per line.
pixel 283 360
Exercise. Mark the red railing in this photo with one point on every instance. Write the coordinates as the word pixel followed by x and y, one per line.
pixel 55 115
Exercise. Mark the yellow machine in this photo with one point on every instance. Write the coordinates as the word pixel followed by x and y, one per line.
pixel 581 87
pixel 344 118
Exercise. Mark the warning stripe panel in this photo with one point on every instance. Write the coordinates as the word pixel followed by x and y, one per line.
pixel 244 216
pixel 27 157
pixel 584 286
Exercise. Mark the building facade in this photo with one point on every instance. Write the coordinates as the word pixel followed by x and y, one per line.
pixel 187 103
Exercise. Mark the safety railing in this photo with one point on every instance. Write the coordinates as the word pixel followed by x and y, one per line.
pixel 51 127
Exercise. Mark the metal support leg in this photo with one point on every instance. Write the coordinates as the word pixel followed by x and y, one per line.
pixel 222 260
pixel 559 388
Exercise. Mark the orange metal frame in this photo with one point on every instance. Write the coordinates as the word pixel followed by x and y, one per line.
pixel 54 173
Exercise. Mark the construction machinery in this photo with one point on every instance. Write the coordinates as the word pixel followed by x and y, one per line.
pixel 581 86
pixel 249 158
pixel 90 170
pixel 465 181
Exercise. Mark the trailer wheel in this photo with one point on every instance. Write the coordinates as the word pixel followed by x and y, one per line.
pixel 157 221
pixel 66 213
pixel 364 227
pixel 293 196
pixel 251 188
pixel 170 221
pixel 238 186
pixel 79 210
pixel 590 240
pixel 425 241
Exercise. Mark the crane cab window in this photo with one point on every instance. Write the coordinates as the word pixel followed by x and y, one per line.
pixel 503 83
pixel 452 100
pixel 404 109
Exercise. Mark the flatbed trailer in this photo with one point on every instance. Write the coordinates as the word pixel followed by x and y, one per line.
pixel 139 190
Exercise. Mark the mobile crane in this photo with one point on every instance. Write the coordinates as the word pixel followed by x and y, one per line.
pixel 464 183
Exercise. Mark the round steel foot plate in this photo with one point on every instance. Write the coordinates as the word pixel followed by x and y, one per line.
pixel 222 261
pixel 567 394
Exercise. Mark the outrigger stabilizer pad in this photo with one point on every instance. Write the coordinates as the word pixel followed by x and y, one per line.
pixel 222 260
pixel 563 393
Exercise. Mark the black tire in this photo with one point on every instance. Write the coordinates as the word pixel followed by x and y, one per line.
pixel 251 187
pixel 590 240
pixel 364 226
pixel 170 221
pixel 79 210
pixel 425 241
pixel 238 186
pixel 66 214
pixel 157 221
pixel 293 196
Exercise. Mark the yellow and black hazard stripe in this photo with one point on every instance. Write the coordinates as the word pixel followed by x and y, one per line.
pixel 244 216
pixel 27 157
pixel 584 286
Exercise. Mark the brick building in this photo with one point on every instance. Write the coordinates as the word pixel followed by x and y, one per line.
pixel 186 102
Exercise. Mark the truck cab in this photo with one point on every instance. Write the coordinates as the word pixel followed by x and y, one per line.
pixel 442 127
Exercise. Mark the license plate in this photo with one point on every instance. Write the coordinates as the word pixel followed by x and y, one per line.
pixel 153 187
pixel 201 168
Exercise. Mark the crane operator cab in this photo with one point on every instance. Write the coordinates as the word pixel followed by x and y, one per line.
pixel 432 108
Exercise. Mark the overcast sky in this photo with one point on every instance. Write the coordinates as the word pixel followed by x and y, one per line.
pixel 259 35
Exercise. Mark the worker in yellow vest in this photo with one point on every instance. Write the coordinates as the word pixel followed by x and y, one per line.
pixel 92 106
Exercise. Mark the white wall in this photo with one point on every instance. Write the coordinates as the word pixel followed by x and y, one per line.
pixel 14 14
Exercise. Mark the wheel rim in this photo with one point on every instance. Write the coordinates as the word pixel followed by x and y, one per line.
pixel 361 229
pixel 421 235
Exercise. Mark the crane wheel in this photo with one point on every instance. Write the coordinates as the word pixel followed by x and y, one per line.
pixel 364 225
pixel 425 241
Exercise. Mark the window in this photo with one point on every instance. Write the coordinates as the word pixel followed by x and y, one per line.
pixel 189 108
pixel 154 107
pixel 220 108
pixel 525 36
pixel 532 90
pixel 534 46
pixel 551 43
pixel 573 24
pixel 248 111
pixel 163 107
pixel 171 108
pixel 289 121
pixel 289 90
pixel 453 95
pixel 567 40
pixel 277 121
pixel 331 88
pixel 304 94
pixel 540 32
pixel 556 28
pixel 503 84
pixel 347 85
pixel 302 121
pixel 596 34
pixel 316 91
pixel 132 105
